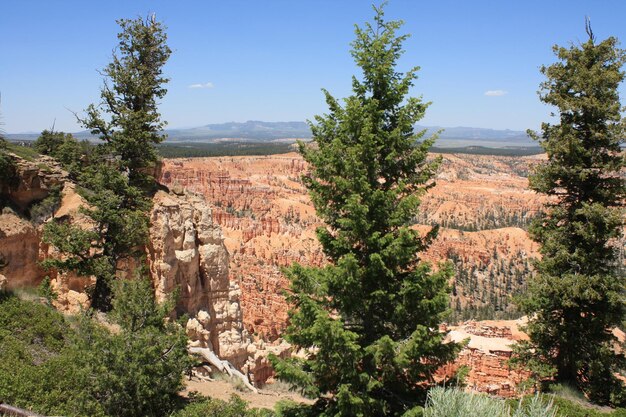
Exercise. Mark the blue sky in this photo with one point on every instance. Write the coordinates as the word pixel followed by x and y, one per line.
pixel 267 60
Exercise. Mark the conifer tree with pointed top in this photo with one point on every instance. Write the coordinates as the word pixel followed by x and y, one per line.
pixel 578 293
pixel 127 119
pixel 369 320
pixel 117 183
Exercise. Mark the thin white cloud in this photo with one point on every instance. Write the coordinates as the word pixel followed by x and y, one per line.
pixel 205 85
pixel 495 93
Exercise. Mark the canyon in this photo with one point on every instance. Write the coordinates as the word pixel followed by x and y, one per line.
pixel 223 228
pixel 482 202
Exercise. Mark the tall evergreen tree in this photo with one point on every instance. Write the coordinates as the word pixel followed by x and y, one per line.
pixel 117 183
pixel 136 78
pixel 369 320
pixel 577 294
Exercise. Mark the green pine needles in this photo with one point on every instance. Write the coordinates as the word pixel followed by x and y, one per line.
pixel 116 184
pixel 577 295
pixel 130 100
pixel 369 320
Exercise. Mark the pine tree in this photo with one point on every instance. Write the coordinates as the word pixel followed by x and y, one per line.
pixel 577 294
pixel 136 76
pixel 369 319
pixel 116 184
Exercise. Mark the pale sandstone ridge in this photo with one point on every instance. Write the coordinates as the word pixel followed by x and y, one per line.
pixel 486 355
pixel 187 253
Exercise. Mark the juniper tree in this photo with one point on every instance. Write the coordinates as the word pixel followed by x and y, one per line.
pixel 577 294
pixel 117 231
pixel 369 320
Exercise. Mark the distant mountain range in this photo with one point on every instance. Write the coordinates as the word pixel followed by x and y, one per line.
pixel 274 131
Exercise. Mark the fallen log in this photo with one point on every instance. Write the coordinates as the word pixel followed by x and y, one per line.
pixel 223 366
pixel 9 410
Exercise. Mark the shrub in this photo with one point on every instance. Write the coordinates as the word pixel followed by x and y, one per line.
pixel 211 407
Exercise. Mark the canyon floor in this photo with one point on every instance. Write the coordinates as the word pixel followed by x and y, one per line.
pixel 223 390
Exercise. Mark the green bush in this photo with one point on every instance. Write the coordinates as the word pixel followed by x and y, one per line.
pixel 210 407
pixel 7 165
pixel 454 402
pixel 76 367
pixel 65 148
pixel 40 369
pixel 24 151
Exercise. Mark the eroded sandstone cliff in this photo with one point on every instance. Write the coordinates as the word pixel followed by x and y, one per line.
pixel 20 239
pixel 269 222
pixel 186 256
pixel 486 355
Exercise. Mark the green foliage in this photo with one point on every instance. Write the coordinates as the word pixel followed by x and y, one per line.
pixel 482 150
pixel 226 148
pixel 566 405
pixel 23 150
pixel 46 291
pixel 289 408
pixel 71 153
pixel 80 368
pixel 370 319
pixel 210 407
pixel 39 368
pixel 139 371
pixel 120 229
pixel 577 295
pixel 453 402
pixel 7 169
pixel 7 165
pixel 458 403
pixel 49 142
pixel 130 100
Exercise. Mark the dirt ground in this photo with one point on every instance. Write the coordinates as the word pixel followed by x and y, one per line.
pixel 221 389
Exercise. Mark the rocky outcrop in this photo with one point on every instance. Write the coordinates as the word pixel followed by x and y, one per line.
pixel 34 180
pixel 19 252
pixel 20 240
pixel 486 356
pixel 187 254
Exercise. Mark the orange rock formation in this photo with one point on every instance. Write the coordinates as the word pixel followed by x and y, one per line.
pixel 486 355
pixel 269 222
